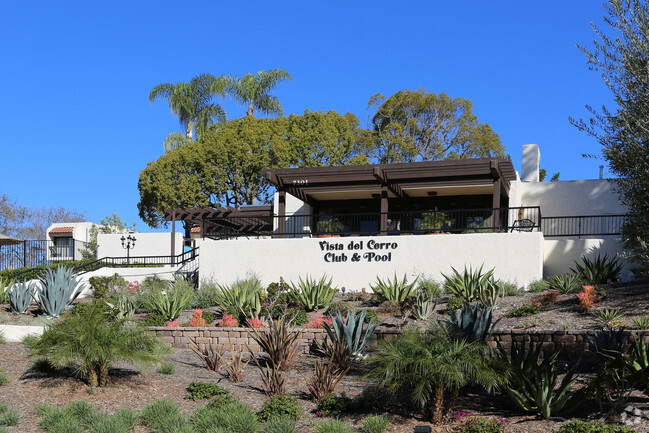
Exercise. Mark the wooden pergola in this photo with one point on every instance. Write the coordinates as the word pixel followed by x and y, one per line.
pixel 383 182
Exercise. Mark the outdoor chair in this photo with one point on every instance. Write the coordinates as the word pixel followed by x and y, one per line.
pixel 523 225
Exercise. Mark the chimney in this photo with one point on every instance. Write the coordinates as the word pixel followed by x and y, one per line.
pixel 531 163
pixel 601 172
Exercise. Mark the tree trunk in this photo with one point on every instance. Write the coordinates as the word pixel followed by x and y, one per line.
pixel 438 405
pixel 92 378
pixel 102 374
pixel 189 130
pixel 450 404
pixel 251 110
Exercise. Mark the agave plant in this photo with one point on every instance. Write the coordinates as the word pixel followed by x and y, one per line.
pixel 170 303
pixel 640 322
pixel 473 322
pixel 20 296
pixel 532 386
pixel 610 319
pixel 468 284
pixel 243 296
pixel 564 284
pixel 424 307
pixel 598 270
pixel 394 290
pixel 347 335
pixel 490 294
pixel 313 294
pixel 58 289
pixel 122 307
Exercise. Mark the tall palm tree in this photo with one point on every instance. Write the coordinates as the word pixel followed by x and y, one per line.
pixel 193 102
pixel 254 90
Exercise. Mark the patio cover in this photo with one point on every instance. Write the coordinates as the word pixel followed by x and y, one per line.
pixel 8 240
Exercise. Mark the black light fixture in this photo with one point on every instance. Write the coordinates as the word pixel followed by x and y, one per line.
pixel 128 243
pixel 422 429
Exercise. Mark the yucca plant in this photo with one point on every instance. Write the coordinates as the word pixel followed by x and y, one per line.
pixel 532 386
pixel 474 323
pixel 610 319
pixel 598 270
pixel 242 297
pixel 58 289
pixel 279 342
pixel 564 284
pixel 170 303
pixel 324 379
pixel 394 290
pixel 21 295
pixel 468 284
pixel 90 341
pixel 313 294
pixel 346 339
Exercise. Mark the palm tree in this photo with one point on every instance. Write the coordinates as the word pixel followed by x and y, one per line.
pixel 254 90
pixel 192 102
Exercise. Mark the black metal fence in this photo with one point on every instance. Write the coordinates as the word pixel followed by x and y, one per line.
pixel 587 225
pixel 31 253
pixel 377 223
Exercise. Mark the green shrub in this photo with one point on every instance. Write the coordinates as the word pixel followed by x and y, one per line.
pixel 4 377
pixel 206 296
pixel 332 404
pixel 313 294
pixel 280 425
pixel 8 416
pixel 80 416
pixel 564 284
pixel 480 425
pixel 394 290
pixel 370 315
pixel 523 310
pixel 509 288
pixel 163 415
pixel 581 426
pixel 89 340
pixel 341 307
pixel 209 317
pixel 3 339
pixel 299 317
pixel 389 308
pixel 221 400
pixel 374 424
pixel 153 319
pixel 231 418
pixel 430 288
pixel 5 284
pixel 538 286
pixel 453 304
pixel 166 368
pixel 200 390
pixel 103 286
pixel 277 406
pixel 333 426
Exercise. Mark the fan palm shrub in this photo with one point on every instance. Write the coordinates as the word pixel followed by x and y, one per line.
pixel 394 290
pixel 58 289
pixel 90 341
pixel 435 365
pixel 313 294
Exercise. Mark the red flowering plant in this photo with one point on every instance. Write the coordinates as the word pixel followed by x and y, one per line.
pixel 197 319
pixel 134 287
pixel 172 324
pixel 227 321
pixel 255 323
pixel 469 424
pixel 318 321
pixel 588 298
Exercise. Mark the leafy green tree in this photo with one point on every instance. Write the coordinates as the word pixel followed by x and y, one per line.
pixel 623 60
pixel 543 174
pixel 193 104
pixel 254 90
pixel 422 126
pixel 110 224
pixel 433 364
pixel 89 340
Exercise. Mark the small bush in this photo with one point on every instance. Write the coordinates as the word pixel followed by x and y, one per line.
pixel 579 426
pixel 523 310
pixel 453 304
pixel 231 418
pixel 538 286
pixel 509 288
pixel 166 368
pixel 280 425
pixel 479 425
pixel 389 308
pixel 200 390
pixel 277 406
pixel 332 404
pixel 197 320
pixel 153 319
pixel 341 307
pixel 4 378
pixel 588 298
pixel 299 317
pixel 318 321
pixel 370 314
pixel 206 297
pixel 209 317
pixel 164 415
pixel 545 300
pixel 221 400
pixel 8 416
pixel 429 288
pixel 374 424
pixel 333 426
pixel 228 321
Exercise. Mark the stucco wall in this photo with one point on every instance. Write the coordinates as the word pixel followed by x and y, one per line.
pixel 146 244
pixel 294 206
pixel 574 197
pixel 516 257
pixel 560 253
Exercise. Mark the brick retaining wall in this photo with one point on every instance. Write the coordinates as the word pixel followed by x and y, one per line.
pixel 571 344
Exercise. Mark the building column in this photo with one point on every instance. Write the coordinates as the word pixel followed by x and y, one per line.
pixel 281 213
pixel 383 225
pixel 496 204
pixel 173 237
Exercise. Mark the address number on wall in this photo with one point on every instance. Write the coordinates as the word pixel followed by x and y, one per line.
pixel 301 182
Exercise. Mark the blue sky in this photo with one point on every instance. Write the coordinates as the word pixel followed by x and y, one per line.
pixel 78 127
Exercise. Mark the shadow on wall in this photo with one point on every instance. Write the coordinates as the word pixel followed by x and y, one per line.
pixel 560 254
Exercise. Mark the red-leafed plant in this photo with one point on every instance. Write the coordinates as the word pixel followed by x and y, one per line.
pixel 255 323
pixel 545 299
pixel 227 321
pixel 317 321
pixel 172 324
pixel 197 319
pixel 588 298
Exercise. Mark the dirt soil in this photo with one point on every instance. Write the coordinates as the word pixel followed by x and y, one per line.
pixel 131 388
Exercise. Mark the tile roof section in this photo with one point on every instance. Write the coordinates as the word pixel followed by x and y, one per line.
pixel 196 229
pixel 59 230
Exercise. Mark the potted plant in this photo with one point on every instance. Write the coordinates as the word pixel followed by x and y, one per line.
pixel 329 227
pixel 433 222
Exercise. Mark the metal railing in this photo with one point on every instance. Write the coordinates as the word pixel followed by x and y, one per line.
pixel 31 253
pixel 583 225
pixel 377 223
pixel 119 262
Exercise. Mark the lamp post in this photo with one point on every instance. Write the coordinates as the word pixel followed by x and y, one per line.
pixel 128 243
